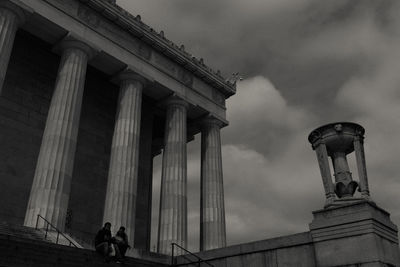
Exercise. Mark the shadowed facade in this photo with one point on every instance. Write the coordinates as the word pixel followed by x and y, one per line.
pixel 160 95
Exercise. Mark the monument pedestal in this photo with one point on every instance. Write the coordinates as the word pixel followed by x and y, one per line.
pixel 355 234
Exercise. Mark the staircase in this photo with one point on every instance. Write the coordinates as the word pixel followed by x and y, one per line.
pixel 21 232
pixel 26 247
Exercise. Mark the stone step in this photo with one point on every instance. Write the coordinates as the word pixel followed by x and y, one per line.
pixel 37 234
pixel 35 253
pixel 18 249
pixel 64 239
pixel 21 231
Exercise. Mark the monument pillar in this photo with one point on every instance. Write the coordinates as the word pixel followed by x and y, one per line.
pixel 361 165
pixel 323 162
pixel 52 181
pixel 121 193
pixel 173 200
pixel 11 16
pixel 212 216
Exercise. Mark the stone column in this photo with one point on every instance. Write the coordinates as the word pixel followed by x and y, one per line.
pixel 123 172
pixel 341 167
pixel 212 216
pixel 11 16
pixel 323 162
pixel 52 181
pixel 361 166
pixel 173 200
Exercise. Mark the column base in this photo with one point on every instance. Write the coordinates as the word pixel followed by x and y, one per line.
pixel 357 232
pixel 344 201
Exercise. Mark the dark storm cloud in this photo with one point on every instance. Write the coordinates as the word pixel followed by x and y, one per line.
pixel 266 37
pixel 305 63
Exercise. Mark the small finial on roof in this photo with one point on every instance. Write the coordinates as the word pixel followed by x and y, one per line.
pixel 235 77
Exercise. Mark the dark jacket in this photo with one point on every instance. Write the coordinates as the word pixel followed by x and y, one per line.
pixel 103 235
pixel 123 236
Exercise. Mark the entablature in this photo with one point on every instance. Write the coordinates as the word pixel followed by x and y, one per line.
pixel 52 20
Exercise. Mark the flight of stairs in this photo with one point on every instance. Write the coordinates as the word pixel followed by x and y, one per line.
pixel 18 232
pixel 26 247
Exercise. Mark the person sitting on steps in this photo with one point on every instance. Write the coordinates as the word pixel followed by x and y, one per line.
pixel 104 243
pixel 121 239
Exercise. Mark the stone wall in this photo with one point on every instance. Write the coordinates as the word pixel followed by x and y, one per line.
pixel 288 251
pixel 358 234
pixel 145 181
pixel 24 105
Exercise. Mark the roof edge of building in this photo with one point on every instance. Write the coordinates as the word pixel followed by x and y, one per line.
pixel 134 26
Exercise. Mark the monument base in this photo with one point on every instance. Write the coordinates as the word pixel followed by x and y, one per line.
pixel 344 201
pixel 358 233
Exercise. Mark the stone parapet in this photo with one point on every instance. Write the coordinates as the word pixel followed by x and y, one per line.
pixel 289 251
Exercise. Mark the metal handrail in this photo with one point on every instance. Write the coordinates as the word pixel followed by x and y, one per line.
pixel 52 226
pixel 199 260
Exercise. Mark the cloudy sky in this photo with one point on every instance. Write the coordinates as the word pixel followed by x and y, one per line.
pixel 304 63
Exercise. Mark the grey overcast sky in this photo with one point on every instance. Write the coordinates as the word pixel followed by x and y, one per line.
pixel 304 63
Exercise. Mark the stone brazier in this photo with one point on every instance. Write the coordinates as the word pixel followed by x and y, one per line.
pixel 349 231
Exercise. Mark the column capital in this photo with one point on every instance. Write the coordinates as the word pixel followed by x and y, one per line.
pixel 174 100
pixel 132 74
pixel 19 12
pixel 359 138
pixel 70 42
pixel 211 120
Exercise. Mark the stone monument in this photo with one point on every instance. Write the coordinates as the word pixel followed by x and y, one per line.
pixel 349 230
pixel 336 141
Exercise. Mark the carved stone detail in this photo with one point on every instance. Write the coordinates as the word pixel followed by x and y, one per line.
pixel 336 140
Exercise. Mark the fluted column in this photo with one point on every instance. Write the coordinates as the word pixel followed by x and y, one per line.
pixel 212 216
pixel 323 162
pixel 52 181
pixel 173 200
pixel 361 165
pixel 121 193
pixel 11 16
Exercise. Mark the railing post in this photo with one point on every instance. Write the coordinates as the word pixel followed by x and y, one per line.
pixel 199 262
pixel 58 234
pixel 172 254
pixel 47 229
pixel 37 222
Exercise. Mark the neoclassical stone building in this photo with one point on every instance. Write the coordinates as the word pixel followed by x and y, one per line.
pixel 89 95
